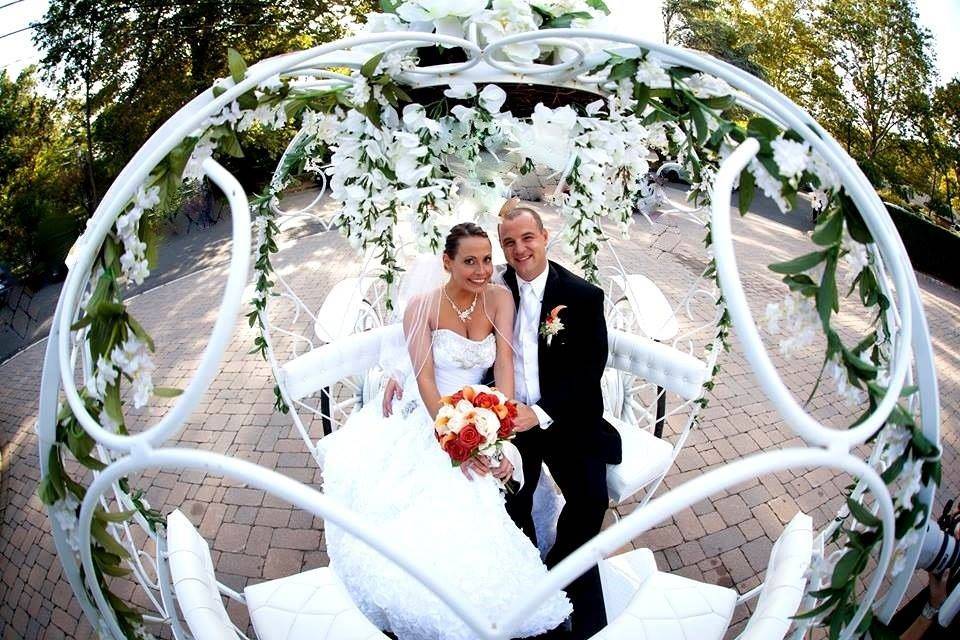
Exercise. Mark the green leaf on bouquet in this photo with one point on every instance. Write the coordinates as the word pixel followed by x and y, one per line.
pixel 827 297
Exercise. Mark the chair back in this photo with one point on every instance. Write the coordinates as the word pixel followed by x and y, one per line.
pixel 665 366
pixel 348 356
pixel 784 584
pixel 194 581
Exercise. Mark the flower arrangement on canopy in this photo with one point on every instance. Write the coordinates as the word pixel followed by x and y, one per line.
pixel 391 159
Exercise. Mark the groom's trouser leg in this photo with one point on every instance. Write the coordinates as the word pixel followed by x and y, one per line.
pixel 520 504
pixel 583 481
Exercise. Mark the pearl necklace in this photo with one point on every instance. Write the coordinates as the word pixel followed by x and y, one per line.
pixel 463 314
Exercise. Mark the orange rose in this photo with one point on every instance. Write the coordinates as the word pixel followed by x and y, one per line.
pixel 506 428
pixel 485 400
pixel 456 450
pixel 501 410
pixel 468 394
pixel 470 437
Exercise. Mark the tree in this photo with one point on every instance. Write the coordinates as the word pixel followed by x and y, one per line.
pixel 707 25
pixel 132 64
pixel 39 175
pixel 946 104
pixel 882 57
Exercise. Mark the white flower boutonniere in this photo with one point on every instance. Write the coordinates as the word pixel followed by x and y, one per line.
pixel 552 325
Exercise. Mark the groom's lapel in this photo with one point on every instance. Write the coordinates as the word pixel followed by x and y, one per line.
pixel 552 291
pixel 510 277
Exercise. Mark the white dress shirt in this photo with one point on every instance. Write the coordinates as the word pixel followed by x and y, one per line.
pixel 525 330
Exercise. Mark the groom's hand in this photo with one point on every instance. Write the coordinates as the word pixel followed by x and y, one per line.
pixel 391 391
pixel 526 419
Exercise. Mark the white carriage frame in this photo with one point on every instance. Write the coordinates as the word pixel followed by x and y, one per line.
pixel 830 448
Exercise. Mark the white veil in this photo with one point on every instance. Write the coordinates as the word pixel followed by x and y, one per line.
pixel 418 310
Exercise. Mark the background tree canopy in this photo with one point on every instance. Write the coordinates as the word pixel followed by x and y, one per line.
pixel 863 68
pixel 120 69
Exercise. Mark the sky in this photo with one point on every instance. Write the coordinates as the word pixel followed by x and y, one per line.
pixel 640 18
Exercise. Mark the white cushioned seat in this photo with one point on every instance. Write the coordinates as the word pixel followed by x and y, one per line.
pixel 194 581
pixel 664 606
pixel 311 605
pixel 784 582
pixel 645 458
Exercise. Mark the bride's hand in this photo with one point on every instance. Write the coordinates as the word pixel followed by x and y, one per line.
pixel 504 471
pixel 479 467
pixel 393 389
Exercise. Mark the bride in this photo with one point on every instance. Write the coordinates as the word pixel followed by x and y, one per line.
pixel 392 471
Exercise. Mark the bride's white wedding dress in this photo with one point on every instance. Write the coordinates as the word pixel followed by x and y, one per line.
pixel 393 472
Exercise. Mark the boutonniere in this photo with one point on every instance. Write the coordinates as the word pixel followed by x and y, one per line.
pixel 552 325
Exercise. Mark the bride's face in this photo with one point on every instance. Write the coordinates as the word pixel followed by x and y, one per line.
pixel 472 266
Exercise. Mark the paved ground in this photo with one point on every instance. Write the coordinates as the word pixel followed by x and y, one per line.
pixel 725 540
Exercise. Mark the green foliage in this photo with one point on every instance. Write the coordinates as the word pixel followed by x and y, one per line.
pixel 39 178
pixel 862 68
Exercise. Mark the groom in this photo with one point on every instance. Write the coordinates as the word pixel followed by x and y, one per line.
pixel 560 420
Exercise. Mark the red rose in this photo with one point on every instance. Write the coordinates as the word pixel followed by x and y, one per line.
pixel 512 408
pixel 457 397
pixel 506 428
pixel 470 437
pixel 456 450
pixel 485 400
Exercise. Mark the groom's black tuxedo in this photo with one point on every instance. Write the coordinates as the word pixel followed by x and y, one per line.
pixel 579 443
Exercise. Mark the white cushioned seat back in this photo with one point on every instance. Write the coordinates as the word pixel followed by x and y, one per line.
pixel 784 583
pixel 341 309
pixel 671 607
pixel 194 582
pixel 657 363
pixel 313 605
pixel 653 314
pixel 645 458
pixel 325 365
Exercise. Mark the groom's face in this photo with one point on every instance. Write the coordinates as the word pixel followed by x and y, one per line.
pixel 524 245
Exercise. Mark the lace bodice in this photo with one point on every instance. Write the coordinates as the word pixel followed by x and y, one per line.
pixel 459 361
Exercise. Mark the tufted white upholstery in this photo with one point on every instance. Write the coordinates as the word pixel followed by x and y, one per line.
pixel 652 312
pixel 313 605
pixel 645 458
pixel 325 365
pixel 621 576
pixel 340 311
pixel 784 582
pixel 664 606
pixel 194 582
pixel 657 363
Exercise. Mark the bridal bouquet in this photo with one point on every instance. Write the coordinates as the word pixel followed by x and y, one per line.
pixel 477 420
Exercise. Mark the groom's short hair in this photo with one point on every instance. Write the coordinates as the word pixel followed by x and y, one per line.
pixel 516 212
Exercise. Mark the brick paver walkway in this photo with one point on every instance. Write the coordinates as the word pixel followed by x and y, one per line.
pixel 725 540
